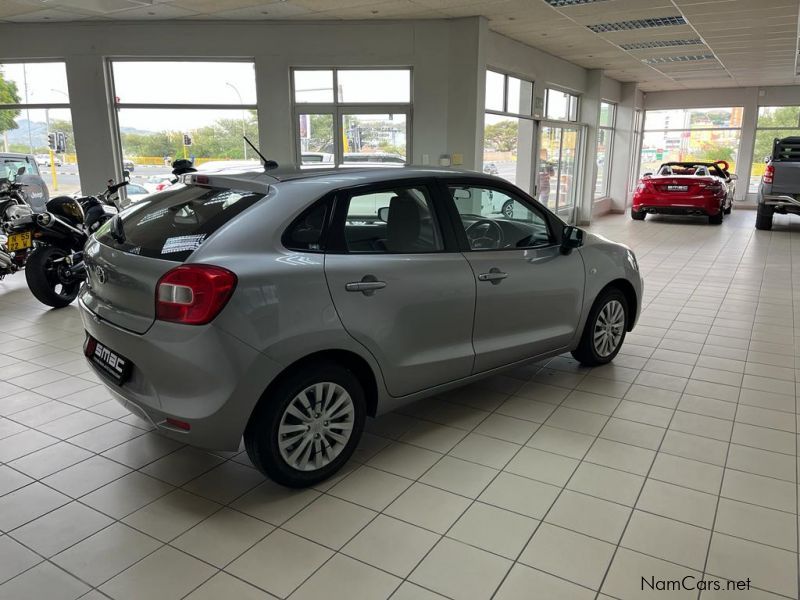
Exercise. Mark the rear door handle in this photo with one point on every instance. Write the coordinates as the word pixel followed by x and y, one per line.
pixel 368 285
pixel 494 276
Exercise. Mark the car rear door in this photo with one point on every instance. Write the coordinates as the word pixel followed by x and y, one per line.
pixel 400 286
pixel 529 294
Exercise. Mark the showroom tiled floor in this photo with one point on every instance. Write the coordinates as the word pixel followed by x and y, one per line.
pixel 551 482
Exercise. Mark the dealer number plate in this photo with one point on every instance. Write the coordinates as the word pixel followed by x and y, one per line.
pixel 114 365
pixel 19 241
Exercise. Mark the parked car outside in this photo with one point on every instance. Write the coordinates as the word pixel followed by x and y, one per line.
pixel 779 191
pixel 35 190
pixel 128 165
pixel 686 188
pixel 43 160
pixel 136 192
pixel 287 306
pixel 490 168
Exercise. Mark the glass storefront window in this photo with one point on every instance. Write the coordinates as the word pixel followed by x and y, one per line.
pixel 184 82
pixel 561 106
pixel 370 107
pixel 773 122
pixel 24 129
pixel 313 86
pixel 507 148
pixel 605 139
pixel 206 108
pixel 702 134
pixel 374 139
pixel 374 85
pixel 508 129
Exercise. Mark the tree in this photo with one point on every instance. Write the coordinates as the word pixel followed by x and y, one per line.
pixel 502 136
pixel 8 95
pixel 787 118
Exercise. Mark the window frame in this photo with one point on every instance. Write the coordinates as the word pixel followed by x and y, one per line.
pixel 338 109
pixel 336 239
pixel 114 106
pixel 505 111
pixel 573 102
pixel 611 133
pixel 551 220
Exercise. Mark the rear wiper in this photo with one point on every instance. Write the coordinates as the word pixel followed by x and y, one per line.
pixel 117 232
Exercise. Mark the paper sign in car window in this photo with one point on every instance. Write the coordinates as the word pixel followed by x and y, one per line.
pixel 183 243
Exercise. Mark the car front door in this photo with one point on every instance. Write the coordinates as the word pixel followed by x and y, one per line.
pixel 400 286
pixel 529 294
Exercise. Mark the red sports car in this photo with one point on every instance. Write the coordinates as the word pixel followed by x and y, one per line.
pixel 686 188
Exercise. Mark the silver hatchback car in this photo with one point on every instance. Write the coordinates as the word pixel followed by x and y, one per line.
pixel 286 306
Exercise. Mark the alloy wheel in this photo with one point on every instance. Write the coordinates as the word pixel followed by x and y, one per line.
pixel 608 328
pixel 316 426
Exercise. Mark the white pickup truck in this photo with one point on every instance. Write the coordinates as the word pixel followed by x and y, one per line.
pixel 779 191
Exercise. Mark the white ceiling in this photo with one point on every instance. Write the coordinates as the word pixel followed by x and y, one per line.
pixel 742 42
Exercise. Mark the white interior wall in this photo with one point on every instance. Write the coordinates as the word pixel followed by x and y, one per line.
pixel 442 84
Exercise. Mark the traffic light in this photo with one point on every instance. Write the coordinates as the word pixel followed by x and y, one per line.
pixel 51 141
pixel 61 141
pixel 187 139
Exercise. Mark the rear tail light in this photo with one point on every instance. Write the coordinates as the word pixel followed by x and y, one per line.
pixel 193 294
pixel 769 174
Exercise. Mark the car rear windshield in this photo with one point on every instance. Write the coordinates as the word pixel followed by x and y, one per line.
pixel 173 224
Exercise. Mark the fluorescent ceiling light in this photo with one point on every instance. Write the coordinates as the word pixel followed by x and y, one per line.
pixel 563 3
pixel 638 24
pixel 660 60
pixel 660 44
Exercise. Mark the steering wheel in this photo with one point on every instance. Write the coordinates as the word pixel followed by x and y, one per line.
pixel 479 236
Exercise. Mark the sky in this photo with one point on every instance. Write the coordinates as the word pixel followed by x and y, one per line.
pixel 171 82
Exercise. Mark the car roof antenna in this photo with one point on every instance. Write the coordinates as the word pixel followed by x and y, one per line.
pixel 268 164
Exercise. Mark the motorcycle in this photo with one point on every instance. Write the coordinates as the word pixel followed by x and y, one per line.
pixel 54 269
pixel 13 206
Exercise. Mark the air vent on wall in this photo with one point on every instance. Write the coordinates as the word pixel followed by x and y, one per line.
pixel 660 60
pixel 564 3
pixel 660 44
pixel 638 24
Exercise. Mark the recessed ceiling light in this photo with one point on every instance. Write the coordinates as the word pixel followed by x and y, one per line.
pixel 659 60
pixel 660 44
pixel 560 3
pixel 638 24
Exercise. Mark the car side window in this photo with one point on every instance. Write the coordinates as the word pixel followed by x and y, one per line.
pixel 496 220
pixel 398 220
pixel 306 232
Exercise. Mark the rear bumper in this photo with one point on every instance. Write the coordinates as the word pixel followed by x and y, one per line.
pixel 678 204
pixel 200 375
pixel 781 202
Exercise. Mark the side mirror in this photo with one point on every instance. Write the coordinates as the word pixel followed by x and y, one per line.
pixel 733 177
pixel 21 171
pixel 571 238
pixel 126 174
pixel 383 214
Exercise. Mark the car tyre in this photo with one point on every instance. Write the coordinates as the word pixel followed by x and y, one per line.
pixel 764 218
pixel 605 329
pixel 278 447
pixel 638 215
pixel 508 209
pixel 717 218
pixel 729 209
